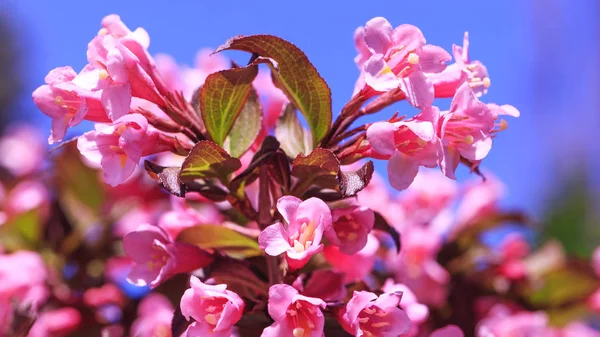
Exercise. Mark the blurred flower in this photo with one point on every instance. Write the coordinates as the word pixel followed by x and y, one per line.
pixel 155 313
pixel 22 150
pixel 294 314
pixel 357 266
pixel 370 315
pixel 56 323
pixel 214 309
pixel 351 226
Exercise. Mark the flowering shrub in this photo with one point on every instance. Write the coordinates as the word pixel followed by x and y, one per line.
pixel 245 220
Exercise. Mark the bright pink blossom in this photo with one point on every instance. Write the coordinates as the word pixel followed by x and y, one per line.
pixel 294 314
pixel 392 58
pixel 56 323
pixel 417 312
pixel 503 323
pixel 66 102
pixel 370 315
pixel 480 199
pixel 463 70
pixel 300 236
pixel 214 309
pixel 357 266
pixel 408 145
pixel 155 313
pixel 183 216
pixel 25 196
pixel 448 331
pixel 325 284
pixel 119 147
pixel 465 130
pixel 351 226
pixel 22 149
pixel 157 258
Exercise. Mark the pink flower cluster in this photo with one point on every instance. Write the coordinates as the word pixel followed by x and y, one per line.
pixel 399 58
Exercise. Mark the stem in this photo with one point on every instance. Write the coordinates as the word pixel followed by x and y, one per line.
pixel 264 220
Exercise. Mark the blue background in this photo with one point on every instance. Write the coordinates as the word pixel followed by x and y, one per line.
pixel 542 55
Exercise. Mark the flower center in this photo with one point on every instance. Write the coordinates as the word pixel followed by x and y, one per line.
pixel 372 321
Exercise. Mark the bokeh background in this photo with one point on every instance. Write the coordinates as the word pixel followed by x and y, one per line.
pixel 543 57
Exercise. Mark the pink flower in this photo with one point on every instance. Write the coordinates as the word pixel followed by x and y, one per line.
pixel 448 331
pixel 59 322
pixel 370 315
pixel 294 314
pixel 350 228
pixel 480 199
pixel 356 266
pixel 465 130
pixel 155 313
pixel 327 285
pixel 66 102
pixel 183 216
pixel 25 196
pixel 502 323
pixel 392 58
pixel 300 237
pixel 22 149
pixel 408 145
pixel 18 282
pixel 463 70
pixel 157 258
pixel 214 309
pixel 119 147
pixel 417 312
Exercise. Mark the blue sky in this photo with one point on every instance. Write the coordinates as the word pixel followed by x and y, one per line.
pixel 56 33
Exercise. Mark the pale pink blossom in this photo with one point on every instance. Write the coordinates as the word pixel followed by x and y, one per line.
pixel 67 103
pixel 501 322
pixel 448 331
pixel 391 58
pixel 157 258
pixel 408 145
pixel 119 147
pixel 300 236
pixel 480 199
pixel 56 323
pixel 25 196
pixel 22 149
pixel 357 266
pixel 18 282
pixel 578 329
pixel 214 309
pixel 183 216
pixel 351 226
pixel 370 315
pixel 294 314
pixel 463 70
pixel 465 130
pixel 417 312
pixel 154 315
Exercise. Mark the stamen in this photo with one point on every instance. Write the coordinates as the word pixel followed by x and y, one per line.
pixel 503 125
pixel 211 319
pixel 103 74
pixel 363 320
pixel 211 309
pixel 298 305
pixel 380 324
pixel 421 142
pixel 308 243
pixel 298 332
pixel 458 118
pixel 292 312
pixel 352 236
pixel 298 247
pixel 413 58
pixel 103 31
pixel 58 100
pixel 469 139
pixel 370 311
pixel 471 66
pixel 487 82
pixel 342 234
pixel 381 314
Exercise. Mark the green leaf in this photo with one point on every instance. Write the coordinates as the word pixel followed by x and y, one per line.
pixel 221 238
pixel 223 97
pixel 320 167
pixel 246 127
pixel 566 285
pixel 294 74
pixel 21 232
pixel 290 133
pixel 208 160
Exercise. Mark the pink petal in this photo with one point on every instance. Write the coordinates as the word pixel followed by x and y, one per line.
pixel 116 100
pixel 418 89
pixel 287 207
pixel 449 162
pixel 361 46
pixel 277 329
pixel 274 239
pixel 422 129
pixel 381 137
pixel 59 75
pixel 115 65
pixel 432 59
pixel 409 37
pixel 378 75
pixel 359 300
pixel 448 331
pixel 388 301
pixel 402 170
pixel 140 275
pixel 378 35
pixel 280 298
pixel 138 244
pixel 117 168
pixel 314 210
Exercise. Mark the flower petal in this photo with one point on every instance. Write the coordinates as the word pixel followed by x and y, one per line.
pixel 418 89
pixel 274 239
pixel 287 207
pixel 448 331
pixel 381 137
pixel 402 170
pixel 432 59
pixel 378 75
pixel 378 35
